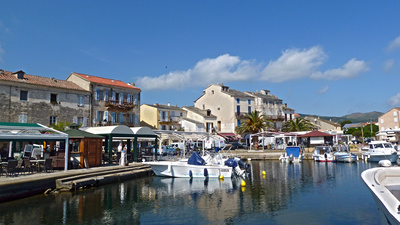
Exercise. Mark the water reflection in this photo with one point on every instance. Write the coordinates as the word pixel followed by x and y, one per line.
pixel 305 193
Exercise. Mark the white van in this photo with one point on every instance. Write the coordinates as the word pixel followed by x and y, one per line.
pixel 213 143
pixel 176 145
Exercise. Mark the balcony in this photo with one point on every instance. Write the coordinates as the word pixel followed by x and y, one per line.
pixel 117 106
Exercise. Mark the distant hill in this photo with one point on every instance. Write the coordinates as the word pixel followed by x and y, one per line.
pixel 354 117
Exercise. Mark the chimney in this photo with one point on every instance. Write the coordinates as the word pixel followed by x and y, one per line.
pixel 20 74
pixel 265 92
pixel 169 104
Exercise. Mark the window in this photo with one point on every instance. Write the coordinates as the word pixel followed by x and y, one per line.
pixel 212 91
pixel 116 97
pixel 101 95
pixel 238 100
pixel 249 110
pixel 381 120
pixel 249 101
pixel 97 94
pixel 106 95
pixel 238 110
pixel 395 119
pixel 121 99
pixel 23 96
pixel 53 120
pixel 81 100
pixel 80 120
pixel 53 98
pixel 23 118
pixel 238 122
pixel 394 113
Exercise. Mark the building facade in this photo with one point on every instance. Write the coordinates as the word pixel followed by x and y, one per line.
pixel 113 102
pixel 34 99
pixel 198 120
pixel 324 125
pixel 162 117
pixel 229 106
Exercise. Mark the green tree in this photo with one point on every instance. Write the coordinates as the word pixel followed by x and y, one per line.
pixel 254 122
pixel 357 134
pixel 61 126
pixel 298 124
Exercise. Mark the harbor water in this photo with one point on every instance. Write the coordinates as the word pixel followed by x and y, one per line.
pixel 305 193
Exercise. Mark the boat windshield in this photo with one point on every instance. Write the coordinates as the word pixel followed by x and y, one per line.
pixel 387 145
pixel 375 146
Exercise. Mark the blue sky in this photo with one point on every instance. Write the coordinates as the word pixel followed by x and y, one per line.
pixel 329 58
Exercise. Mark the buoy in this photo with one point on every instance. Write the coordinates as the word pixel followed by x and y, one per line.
pixel 243 184
pixel 243 189
pixel 264 173
pixel 221 177
pixel 205 172
pixel 264 176
pixel 190 173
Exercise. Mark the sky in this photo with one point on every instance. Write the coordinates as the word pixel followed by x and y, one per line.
pixel 327 58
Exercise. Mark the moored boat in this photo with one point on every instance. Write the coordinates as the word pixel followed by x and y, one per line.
pixel 384 184
pixel 293 154
pixel 323 154
pixel 380 150
pixel 345 157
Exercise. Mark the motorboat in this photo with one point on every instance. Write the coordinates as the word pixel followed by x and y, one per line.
pixel 196 167
pixel 293 154
pixel 343 156
pixel 380 150
pixel 384 184
pixel 323 154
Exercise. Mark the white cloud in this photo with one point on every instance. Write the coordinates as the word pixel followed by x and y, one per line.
pixel 221 69
pixel 323 90
pixel 388 65
pixel 351 69
pixel 395 44
pixel 395 100
pixel 294 64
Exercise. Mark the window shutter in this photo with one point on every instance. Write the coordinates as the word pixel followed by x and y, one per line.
pixel 121 116
pixel 106 95
pixel 121 98
pixel 85 120
pixel 97 115
pixel 136 119
pixel 106 115
pixel 136 99
pixel 128 98
pixel 113 117
pixel 97 94
pixel 113 95
pixel 75 120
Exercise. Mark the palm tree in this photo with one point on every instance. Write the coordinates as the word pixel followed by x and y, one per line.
pixel 254 122
pixel 299 124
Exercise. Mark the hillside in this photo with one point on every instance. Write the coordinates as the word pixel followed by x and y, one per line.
pixel 354 117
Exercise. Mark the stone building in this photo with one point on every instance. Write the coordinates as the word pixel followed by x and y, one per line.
pixel 34 99
pixel 162 117
pixel 113 102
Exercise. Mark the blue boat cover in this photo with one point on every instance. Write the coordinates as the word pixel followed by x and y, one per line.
pixel 231 163
pixel 295 150
pixel 195 159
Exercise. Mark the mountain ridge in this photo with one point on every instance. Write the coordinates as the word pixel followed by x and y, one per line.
pixel 353 117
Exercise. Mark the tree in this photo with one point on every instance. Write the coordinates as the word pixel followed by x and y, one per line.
pixel 298 124
pixel 61 126
pixel 254 122
pixel 357 134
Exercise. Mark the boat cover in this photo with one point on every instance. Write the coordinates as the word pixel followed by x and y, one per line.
pixel 231 163
pixel 196 159
pixel 293 150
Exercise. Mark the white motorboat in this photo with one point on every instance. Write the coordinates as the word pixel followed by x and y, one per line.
pixel 342 156
pixel 196 166
pixel 293 154
pixel 380 150
pixel 323 154
pixel 384 184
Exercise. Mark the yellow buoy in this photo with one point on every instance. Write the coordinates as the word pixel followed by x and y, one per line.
pixel 243 189
pixel 221 177
pixel 264 173
pixel 243 184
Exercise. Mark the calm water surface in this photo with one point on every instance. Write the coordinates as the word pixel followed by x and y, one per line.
pixel 306 193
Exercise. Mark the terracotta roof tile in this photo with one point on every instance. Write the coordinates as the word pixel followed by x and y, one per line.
pixel 38 80
pixel 100 80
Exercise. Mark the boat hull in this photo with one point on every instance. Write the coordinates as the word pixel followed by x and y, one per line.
pixel 345 157
pixel 378 157
pixel 182 169
pixel 384 184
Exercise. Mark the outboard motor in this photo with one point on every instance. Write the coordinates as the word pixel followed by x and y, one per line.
pixel 242 164
pixel 232 163
pixel 291 158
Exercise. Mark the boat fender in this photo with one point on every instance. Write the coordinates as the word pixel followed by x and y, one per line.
pixel 205 172
pixel 190 173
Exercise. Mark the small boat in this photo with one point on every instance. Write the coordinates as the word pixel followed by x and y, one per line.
pixel 195 167
pixel 323 154
pixel 384 184
pixel 342 156
pixel 380 150
pixel 293 154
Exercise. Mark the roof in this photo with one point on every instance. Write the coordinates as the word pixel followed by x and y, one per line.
pixel 192 121
pixel 199 111
pixel 106 81
pixel 316 134
pixel 29 131
pixel 263 96
pixel 38 80
pixel 142 131
pixel 166 107
pixel 325 121
pixel 73 133
pixel 113 130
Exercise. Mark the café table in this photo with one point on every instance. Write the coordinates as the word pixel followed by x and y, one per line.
pixel 36 163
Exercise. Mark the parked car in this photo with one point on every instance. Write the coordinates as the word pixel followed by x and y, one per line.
pixel 233 146
pixel 168 150
pixel 356 141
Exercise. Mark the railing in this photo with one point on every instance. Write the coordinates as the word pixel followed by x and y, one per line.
pixel 112 104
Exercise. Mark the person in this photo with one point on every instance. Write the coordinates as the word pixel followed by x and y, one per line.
pixel 120 147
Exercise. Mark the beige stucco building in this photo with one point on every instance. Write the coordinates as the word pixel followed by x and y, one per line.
pixel 324 125
pixel 113 102
pixel 198 120
pixel 389 125
pixel 229 106
pixel 162 117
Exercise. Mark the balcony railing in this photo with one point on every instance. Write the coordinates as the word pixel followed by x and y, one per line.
pixel 117 105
